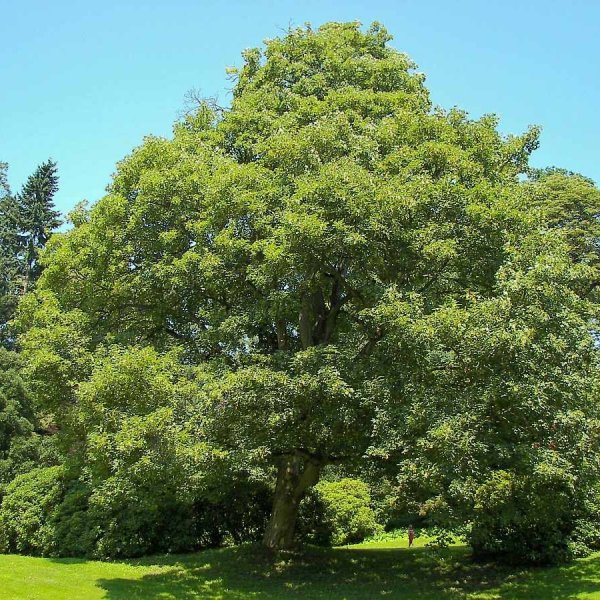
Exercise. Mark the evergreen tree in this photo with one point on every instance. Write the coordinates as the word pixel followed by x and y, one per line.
pixel 16 412
pixel 26 222
pixel 4 187
pixel 38 217
pixel 9 250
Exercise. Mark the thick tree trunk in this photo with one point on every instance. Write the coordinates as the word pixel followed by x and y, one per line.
pixel 296 474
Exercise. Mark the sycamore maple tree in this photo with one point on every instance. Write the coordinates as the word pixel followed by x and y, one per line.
pixel 346 270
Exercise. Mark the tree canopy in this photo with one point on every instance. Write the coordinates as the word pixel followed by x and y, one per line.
pixel 339 272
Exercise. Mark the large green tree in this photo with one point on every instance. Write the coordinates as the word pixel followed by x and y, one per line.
pixel 349 270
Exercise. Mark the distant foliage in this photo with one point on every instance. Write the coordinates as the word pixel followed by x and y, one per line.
pixel 27 220
pixel 37 216
pixel 571 203
pixel 339 512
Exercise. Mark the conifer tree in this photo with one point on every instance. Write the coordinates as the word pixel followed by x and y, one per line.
pixel 27 220
pixel 37 216
pixel 9 242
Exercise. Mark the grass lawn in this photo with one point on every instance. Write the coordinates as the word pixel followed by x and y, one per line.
pixel 384 569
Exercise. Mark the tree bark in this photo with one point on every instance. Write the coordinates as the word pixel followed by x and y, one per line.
pixel 296 474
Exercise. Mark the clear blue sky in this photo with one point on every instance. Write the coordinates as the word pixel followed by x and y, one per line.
pixel 83 82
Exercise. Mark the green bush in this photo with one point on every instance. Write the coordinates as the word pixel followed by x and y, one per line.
pixel 139 479
pixel 48 512
pixel 133 519
pixel 74 531
pixel 528 519
pixel 586 535
pixel 338 512
pixel 26 513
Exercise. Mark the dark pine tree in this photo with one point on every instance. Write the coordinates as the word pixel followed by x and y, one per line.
pixel 38 217
pixel 10 266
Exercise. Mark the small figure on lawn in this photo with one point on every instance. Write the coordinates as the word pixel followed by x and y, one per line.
pixel 411 535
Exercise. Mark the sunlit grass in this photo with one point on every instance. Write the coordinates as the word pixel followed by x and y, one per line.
pixel 383 568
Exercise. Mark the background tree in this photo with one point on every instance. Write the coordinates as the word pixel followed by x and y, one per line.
pixel 4 187
pixel 37 216
pixel 21 432
pixel 26 222
pixel 348 272
pixel 9 251
pixel 571 203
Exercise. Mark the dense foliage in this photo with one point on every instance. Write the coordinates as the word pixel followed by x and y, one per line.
pixel 20 446
pixel 340 512
pixel 27 510
pixel 27 220
pixel 330 272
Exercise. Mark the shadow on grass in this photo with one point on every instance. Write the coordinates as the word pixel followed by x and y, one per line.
pixel 319 574
pixel 557 583
pixel 68 560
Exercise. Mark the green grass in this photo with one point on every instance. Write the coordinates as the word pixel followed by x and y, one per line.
pixel 379 569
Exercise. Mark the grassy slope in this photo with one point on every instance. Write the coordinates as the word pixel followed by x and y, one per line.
pixel 385 569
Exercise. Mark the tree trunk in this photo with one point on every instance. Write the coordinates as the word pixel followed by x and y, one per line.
pixel 296 474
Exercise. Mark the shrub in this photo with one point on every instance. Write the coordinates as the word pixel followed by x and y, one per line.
pixel 338 512
pixel 49 512
pixel 586 535
pixel 525 519
pixel 132 520
pixel 27 509
pixel 74 531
